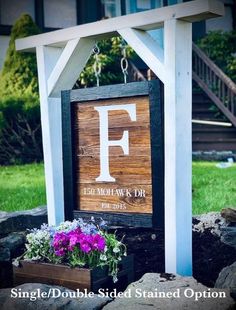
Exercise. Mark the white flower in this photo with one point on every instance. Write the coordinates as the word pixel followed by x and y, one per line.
pixel 16 262
pixel 115 279
pixel 116 250
pixel 103 257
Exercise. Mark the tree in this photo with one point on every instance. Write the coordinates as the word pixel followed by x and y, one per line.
pixel 19 73
pixel 20 132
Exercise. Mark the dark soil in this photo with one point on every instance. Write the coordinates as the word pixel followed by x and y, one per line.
pixel 210 255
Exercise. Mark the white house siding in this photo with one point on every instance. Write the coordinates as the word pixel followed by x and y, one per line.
pixel 11 10
pixel 60 13
pixel 224 23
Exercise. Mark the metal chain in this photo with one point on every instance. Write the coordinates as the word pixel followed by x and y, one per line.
pixel 124 62
pixel 97 65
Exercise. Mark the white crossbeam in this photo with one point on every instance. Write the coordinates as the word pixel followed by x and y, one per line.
pixel 152 19
pixel 67 69
pixel 147 49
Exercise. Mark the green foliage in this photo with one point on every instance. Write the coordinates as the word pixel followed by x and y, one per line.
pixel 221 48
pixel 20 132
pixel 19 73
pixel 110 56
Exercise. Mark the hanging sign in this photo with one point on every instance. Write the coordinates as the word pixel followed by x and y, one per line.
pixel 113 153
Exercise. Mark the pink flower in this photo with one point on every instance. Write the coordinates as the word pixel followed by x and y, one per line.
pixel 85 247
pixel 74 238
pixel 60 252
pixel 99 243
pixel 60 243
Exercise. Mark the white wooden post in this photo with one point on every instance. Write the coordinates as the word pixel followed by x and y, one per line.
pixel 51 132
pixel 178 146
pixel 57 70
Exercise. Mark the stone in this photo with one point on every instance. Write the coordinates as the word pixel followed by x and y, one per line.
pixel 229 214
pixel 212 220
pixel 22 220
pixel 6 274
pixel 53 303
pixel 5 254
pixel 228 235
pixel 227 279
pixel 213 155
pixel 3 214
pixel 14 242
pixel 176 290
pixel 219 225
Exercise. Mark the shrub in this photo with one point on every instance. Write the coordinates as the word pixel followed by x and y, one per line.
pixel 20 132
pixel 221 48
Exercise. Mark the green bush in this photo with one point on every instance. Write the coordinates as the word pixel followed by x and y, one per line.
pixel 221 48
pixel 20 132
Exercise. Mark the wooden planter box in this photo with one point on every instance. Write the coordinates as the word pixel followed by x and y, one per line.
pixel 73 278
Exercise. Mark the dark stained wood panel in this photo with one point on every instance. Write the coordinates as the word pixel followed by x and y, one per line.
pixel 132 172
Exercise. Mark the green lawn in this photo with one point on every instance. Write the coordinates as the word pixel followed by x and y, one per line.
pixel 23 187
pixel 213 188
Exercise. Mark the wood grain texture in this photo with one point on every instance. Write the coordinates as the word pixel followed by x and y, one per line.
pixel 35 272
pixel 74 278
pixel 132 172
pixel 115 198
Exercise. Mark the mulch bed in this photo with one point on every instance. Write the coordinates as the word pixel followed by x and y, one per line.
pixel 210 255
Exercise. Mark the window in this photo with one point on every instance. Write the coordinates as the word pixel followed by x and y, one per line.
pixel 59 13
pixel 112 8
pixel 133 6
pixel 11 10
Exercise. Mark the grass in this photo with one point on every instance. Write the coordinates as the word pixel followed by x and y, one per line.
pixel 23 187
pixel 213 188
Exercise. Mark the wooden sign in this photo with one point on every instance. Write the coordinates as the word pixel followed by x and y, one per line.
pixel 113 153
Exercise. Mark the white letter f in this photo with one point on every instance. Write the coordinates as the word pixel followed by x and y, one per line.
pixel 105 142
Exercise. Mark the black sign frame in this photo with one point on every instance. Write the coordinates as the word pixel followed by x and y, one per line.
pixel 154 89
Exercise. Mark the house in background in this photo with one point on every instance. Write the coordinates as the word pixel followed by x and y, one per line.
pixel 55 14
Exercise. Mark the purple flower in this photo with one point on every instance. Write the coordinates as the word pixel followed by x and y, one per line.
pixel 74 238
pixel 60 252
pixel 60 243
pixel 67 241
pixel 98 243
pixel 85 247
